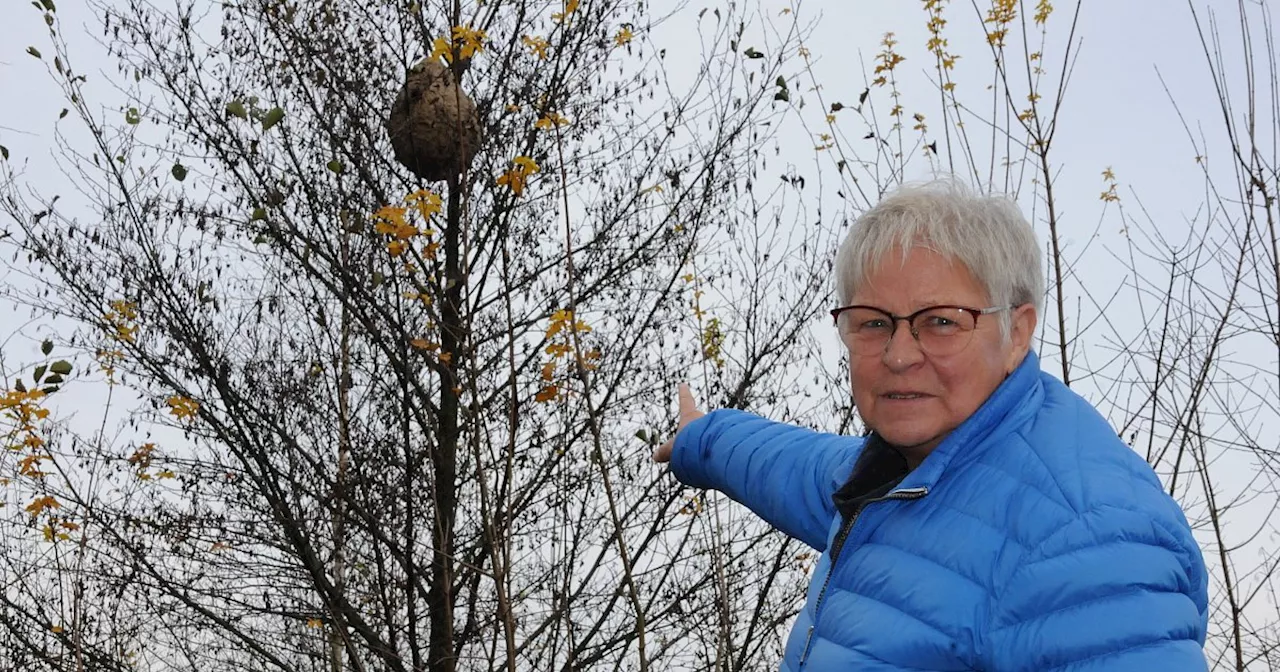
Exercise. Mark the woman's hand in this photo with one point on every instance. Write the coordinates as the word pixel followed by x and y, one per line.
pixel 688 413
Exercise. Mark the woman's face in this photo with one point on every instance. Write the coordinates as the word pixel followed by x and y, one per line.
pixel 914 400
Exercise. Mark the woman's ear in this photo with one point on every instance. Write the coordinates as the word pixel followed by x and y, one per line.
pixel 1022 330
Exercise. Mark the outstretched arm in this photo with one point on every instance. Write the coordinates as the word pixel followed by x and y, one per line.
pixel 784 473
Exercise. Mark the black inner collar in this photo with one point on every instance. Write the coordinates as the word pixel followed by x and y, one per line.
pixel 878 470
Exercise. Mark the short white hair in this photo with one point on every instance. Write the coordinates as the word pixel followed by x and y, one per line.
pixel 986 233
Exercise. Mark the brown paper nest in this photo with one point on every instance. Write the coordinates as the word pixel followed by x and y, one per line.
pixel 433 124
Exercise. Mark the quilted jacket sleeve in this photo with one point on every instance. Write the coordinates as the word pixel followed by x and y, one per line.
pixel 1114 590
pixel 784 473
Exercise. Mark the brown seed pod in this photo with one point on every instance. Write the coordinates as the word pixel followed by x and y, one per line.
pixel 433 124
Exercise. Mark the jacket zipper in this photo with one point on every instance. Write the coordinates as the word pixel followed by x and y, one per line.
pixel 837 545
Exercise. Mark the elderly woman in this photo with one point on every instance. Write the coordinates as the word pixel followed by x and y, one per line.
pixel 990 519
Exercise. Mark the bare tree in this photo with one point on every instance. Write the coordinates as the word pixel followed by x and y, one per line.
pixel 402 425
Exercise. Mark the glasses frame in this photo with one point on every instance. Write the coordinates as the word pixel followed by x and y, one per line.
pixel 911 319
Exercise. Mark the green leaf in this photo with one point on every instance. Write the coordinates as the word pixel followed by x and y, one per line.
pixel 260 239
pixel 48 5
pixel 836 107
pixel 235 108
pixel 378 279
pixel 781 81
pixel 50 389
pixel 61 367
pixel 272 118
pixel 34 52
pixel 642 435
pixel 258 214
pixel 63 113
pixel 179 172
pixel 39 373
pixel 48 20
pixel 782 95
pixel 17 385
pixel 46 347
pixel 336 166
pixel 752 53
pixel 4 151
pixel 53 379
pixel 132 116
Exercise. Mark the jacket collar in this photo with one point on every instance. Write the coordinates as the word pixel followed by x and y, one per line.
pixel 1018 394
pixel 878 469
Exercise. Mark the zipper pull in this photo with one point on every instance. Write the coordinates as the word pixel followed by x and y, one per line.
pixel 808 639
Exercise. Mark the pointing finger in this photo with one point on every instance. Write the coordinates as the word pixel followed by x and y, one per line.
pixel 687 403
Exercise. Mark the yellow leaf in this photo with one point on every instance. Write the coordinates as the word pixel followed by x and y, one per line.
pixel 692 507
pixel 623 37
pixel 183 408
pixel 391 214
pixel 1043 10
pixel 141 457
pixel 537 47
pixel 550 120
pixel 125 309
pixel 30 466
pixel 424 344
pixel 441 49
pixel 166 474
pixel 446 357
pixel 546 394
pixel 427 202
pixel 315 623
pixel 41 503
pixel 125 332
pixel 56 629
pixel 512 179
pixel 468 40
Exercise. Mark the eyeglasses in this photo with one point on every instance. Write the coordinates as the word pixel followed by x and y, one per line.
pixel 940 330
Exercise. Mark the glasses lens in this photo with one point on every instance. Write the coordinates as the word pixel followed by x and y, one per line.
pixel 864 330
pixel 944 331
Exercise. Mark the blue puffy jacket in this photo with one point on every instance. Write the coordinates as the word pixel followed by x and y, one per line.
pixel 1032 538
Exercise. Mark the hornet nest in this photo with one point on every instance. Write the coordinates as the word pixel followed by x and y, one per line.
pixel 433 124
